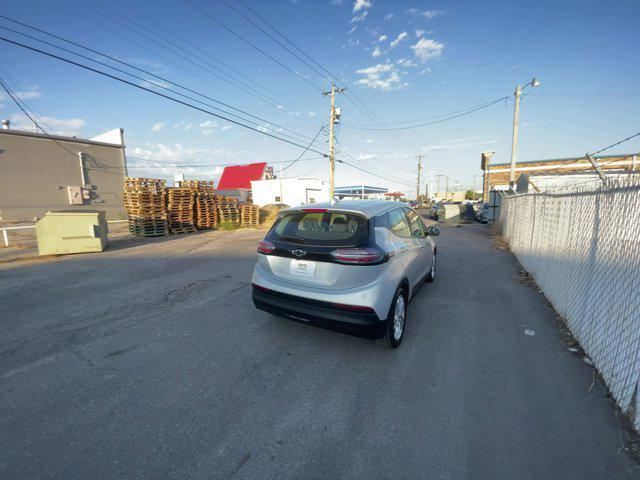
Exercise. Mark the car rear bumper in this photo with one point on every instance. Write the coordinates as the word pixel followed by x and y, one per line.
pixel 318 313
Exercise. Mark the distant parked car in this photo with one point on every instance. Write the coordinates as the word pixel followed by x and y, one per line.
pixel 352 266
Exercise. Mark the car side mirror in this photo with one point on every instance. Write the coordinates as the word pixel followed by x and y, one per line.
pixel 433 231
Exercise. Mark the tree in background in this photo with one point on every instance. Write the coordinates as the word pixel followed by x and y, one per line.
pixel 470 195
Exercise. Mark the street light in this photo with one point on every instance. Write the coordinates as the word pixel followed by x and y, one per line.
pixel 514 142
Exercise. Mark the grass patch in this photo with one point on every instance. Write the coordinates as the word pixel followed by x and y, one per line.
pixel 228 226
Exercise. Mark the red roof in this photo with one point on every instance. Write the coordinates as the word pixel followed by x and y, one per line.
pixel 240 176
pixel 394 194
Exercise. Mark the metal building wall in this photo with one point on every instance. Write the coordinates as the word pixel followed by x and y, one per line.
pixel 35 172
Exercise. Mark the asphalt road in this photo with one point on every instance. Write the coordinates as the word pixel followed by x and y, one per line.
pixel 150 361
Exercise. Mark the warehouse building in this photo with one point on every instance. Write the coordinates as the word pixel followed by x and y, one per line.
pixel 40 172
pixel 496 175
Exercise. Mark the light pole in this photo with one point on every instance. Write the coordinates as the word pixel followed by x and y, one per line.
pixel 514 142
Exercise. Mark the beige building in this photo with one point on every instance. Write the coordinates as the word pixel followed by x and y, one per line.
pixel 40 172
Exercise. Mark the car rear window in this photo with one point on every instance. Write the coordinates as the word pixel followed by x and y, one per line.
pixel 321 228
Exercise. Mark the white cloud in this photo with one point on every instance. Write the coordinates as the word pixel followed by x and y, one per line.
pixel 280 107
pixel 158 126
pixel 367 156
pixel 369 140
pixel 425 13
pixel 419 32
pixel 382 76
pixel 207 128
pixel 336 2
pixel 399 39
pixel 183 124
pixel 311 114
pixel 359 18
pixel 376 52
pixel 406 62
pixel 382 38
pixel 33 92
pixel 227 127
pixel 427 49
pixel 361 4
pixel 68 127
pixel 388 16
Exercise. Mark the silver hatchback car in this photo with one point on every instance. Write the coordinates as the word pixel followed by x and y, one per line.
pixel 350 266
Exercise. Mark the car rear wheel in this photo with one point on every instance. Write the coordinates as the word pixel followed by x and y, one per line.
pixel 431 276
pixel 395 323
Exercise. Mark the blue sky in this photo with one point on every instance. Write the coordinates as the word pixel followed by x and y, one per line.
pixel 404 60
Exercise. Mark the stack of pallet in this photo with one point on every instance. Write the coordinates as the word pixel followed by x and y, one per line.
pixel 206 205
pixel 228 209
pixel 249 215
pixel 199 185
pixel 144 202
pixel 180 211
pixel 206 210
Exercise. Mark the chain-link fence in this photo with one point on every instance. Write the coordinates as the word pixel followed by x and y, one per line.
pixel 581 244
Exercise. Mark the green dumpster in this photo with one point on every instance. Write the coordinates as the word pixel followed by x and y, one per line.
pixel 72 231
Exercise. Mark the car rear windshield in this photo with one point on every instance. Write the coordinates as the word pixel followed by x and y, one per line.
pixel 321 228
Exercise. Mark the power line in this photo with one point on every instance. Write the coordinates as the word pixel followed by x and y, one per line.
pixel 305 150
pixel 273 38
pixel 434 116
pixel 429 123
pixel 163 79
pixel 215 59
pixel 140 87
pixel 168 164
pixel 217 22
pixel 361 106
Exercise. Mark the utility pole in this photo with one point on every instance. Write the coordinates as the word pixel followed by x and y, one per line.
pixel 419 157
pixel 446 195
pixel 514 140
pixel 332 120
pixel 474 187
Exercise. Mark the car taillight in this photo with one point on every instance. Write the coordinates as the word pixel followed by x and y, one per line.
pixel 358 255
pixel 266 247
pixel 353 308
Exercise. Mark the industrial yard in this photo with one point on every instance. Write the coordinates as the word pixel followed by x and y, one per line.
pixel 149 360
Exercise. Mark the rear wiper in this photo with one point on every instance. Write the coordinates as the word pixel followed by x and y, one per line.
pixel 292 239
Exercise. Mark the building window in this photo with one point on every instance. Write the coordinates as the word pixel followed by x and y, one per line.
pixel 277 199
pixel 312 200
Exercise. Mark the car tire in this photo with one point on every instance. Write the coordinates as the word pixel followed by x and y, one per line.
pixel 393 336
pixel 431 276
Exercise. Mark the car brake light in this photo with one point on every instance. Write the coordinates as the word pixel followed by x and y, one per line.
pixel 358 255
pixel 266 247
pixel 353 308
pixel 314 210
pixel 259 288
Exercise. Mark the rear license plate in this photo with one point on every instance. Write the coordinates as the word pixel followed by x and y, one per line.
pixel 302 268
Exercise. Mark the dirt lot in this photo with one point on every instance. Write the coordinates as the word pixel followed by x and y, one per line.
pixel 149 361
